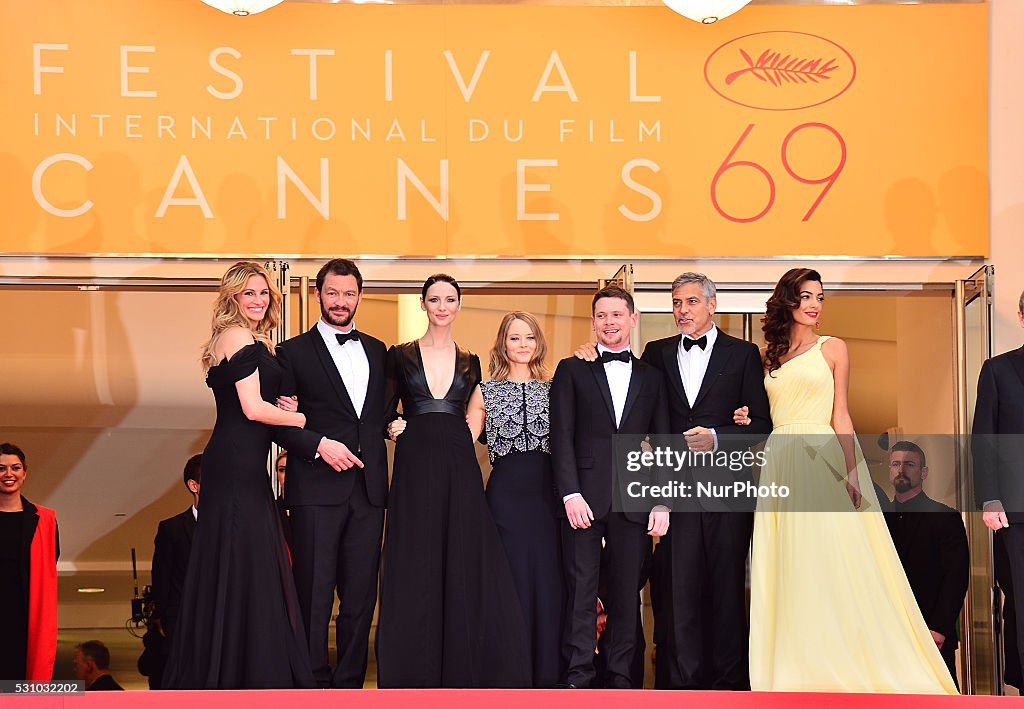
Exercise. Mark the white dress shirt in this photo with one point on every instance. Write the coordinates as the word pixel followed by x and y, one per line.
pixel 693 365
pixel 351 361
pixel 618 375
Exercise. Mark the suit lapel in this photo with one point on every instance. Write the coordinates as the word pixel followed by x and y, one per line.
pixel 671 362
pixel 1018 364
pixel 597 369
pixel 376 373
pixel 634 389
pixel 720 354
pixel 320 347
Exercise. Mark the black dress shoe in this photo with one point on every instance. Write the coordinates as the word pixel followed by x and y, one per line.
pixel 567 685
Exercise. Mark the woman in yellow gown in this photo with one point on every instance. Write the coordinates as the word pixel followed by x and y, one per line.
pixel 831 608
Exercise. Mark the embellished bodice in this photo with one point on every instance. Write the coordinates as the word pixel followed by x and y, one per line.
pixel 518 417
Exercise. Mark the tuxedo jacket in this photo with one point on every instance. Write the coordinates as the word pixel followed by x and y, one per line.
pixel 932 544
pixel 171 550
pixel 583 423
pixel 998 434
pixel 734 378
pixel 310 374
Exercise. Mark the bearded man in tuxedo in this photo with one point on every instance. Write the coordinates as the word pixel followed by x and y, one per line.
pixel 334 374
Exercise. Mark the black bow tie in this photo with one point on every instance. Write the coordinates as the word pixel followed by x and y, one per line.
pixel 701 342
pixel 607 356
pixel 344 337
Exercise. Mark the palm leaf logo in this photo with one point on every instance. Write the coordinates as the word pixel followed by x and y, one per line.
pixel 778 69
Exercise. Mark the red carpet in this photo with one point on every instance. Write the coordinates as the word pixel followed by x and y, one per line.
pixel 492 699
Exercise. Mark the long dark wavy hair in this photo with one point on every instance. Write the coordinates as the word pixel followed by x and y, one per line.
pixel 779 314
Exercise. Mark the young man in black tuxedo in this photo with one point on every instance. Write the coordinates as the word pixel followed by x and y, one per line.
pixel 337 516
pixel 932 544
pixel 590 403
pixel 998 449
pixel 703 614
pixel 171 549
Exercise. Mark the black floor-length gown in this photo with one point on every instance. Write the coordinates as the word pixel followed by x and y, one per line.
pixel 449 613
pixel 240 625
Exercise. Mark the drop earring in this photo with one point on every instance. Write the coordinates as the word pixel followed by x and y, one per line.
pixel 817 324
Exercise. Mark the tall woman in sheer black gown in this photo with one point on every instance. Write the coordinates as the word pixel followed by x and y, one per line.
pixel 520 490
pixel 240 625
pixel 449 614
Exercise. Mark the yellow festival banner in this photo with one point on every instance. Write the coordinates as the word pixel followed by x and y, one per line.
pixel 167 127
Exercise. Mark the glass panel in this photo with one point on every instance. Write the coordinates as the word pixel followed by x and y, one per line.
pixel 979 651
pixel 901 377
pixel 104 391
pixel 976 324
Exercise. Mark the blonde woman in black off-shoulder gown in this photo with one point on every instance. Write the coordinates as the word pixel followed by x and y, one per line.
pixel 240 625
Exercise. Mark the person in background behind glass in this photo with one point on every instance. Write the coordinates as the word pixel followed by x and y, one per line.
pixel 92 666
pixel 932 543
pixel 281 469
pixel 171 550
pixel 29 549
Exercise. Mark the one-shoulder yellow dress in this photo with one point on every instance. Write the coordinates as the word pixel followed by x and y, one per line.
pixel 831 609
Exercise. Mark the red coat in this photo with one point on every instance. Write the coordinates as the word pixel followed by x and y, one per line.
pixel 42 598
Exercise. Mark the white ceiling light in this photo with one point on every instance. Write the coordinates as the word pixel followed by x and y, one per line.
pixel 705 11
pixel 242 7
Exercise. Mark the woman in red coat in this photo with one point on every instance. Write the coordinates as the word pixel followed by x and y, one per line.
pixel 29 549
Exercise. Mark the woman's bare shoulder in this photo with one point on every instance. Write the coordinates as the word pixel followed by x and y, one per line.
pixel 230 340
pixel 834 345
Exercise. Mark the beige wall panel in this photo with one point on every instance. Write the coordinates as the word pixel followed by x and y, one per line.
pixel 1006 168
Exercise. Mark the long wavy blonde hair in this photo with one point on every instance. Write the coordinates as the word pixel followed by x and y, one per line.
pixel 500 365
pixel 227 313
